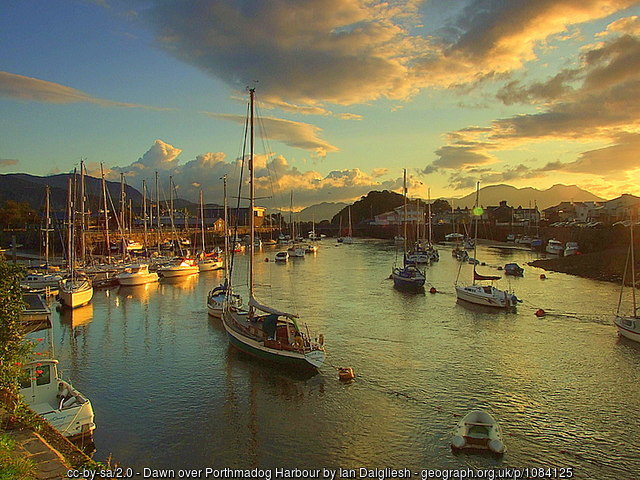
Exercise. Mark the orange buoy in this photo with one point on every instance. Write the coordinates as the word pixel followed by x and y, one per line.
pixel 540 313
pixel 542 276
pixel 433 290
pixel 346 373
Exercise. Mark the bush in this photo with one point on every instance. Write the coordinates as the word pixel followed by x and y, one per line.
pixel 13 348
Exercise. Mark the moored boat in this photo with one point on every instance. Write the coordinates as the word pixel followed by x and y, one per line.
pixel 181 268
pixel 263 331
pixel 478 431
pixel 628 323
pixel 75 290
pixel 554 247
pixel 56 400
pixel 137 274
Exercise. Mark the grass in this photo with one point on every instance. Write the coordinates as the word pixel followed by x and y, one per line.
pixel 13 467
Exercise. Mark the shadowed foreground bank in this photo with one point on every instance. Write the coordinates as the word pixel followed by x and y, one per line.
pixel 607 265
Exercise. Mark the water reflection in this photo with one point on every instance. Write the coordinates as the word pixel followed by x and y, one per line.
pixel 160 371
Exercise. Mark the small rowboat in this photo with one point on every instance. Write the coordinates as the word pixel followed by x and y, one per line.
pixel 478 431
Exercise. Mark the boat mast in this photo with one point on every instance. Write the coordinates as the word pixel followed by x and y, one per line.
pixel 122 207
pixel 144 211
pixel 475 239
pixel 69 222
pixel 47 226
pixel 226 231
pixel 202 219
pixel 252 92
pixel 82 216
pixel 633 271
pixel 106 213
pixel 404 246
pixel 157 213
pixel 429 219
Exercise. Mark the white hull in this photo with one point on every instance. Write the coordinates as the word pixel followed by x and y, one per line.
pixel 628 327
pixel 554 247
pixel 39 280
pixel 75 297
pixel 478 431
pixel 487 296
pixel 209 265
pixel 131 279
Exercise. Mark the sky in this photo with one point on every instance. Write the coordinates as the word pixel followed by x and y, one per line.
pixel 349 93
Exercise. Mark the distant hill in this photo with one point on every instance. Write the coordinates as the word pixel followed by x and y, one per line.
pixel 494 194
pixel 321 211
pixel 366 208
pixel 23 187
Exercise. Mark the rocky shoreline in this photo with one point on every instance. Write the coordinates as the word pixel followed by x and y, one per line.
pixel 607 265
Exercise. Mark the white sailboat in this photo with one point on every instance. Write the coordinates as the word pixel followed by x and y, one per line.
pixel 75 288
pixel 222 294
pixel 206 262
pixel 349 238
pixel 486 295
pixel 629 325
pixel 263 331
pixel 136 274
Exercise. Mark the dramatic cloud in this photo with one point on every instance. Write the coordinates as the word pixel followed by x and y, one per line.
pixel 597 101
pixel 295 134
pixel 306 53
pixel 33 89
pixel 274 178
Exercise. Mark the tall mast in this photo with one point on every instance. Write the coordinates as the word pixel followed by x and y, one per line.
pixel 83 247
pixel 69 222
pixel 475 240
pixel 47 225
pixel 252 225
pixel 202 219
pixel 633 271
pixel 429 219
pixel 405 211
pixel 226 231
pixel 122 205
pixel 144 211
pixel 106 213
pixel 157 213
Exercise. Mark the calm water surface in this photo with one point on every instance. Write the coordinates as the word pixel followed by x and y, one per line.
pixel 169 392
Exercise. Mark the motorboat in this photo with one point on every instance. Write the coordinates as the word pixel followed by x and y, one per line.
pixel 487 295
pixel 282 256
pixel 513 269
pixel 207 264
pixel 554 247
pixel 56 400
pixel 571 248
pixel 478 431
pixel 137 274
pixel 40 280
pixel 182 267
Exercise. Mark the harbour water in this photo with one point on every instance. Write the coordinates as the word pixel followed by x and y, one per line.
pixel 169 392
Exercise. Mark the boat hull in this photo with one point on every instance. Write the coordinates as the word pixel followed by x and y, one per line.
pixel 310 360
pixel 208 266
pixel 177 272
pixel 75 298
pixel 477 295
pixel 130 280
pixel 628 327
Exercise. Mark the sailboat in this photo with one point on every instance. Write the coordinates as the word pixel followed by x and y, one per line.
pixel 629 325
pixel 75 288
pixel 409 276
pixel 222 294
pixel 206 261
pixel 349 238
pixel 486 295
pixel 260 330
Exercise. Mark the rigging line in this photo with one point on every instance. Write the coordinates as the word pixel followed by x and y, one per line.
pixel 237 219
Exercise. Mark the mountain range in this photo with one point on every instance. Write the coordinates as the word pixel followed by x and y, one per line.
pixel 526 197
pixel 22 187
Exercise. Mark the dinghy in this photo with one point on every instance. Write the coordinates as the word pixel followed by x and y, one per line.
pixel 478 431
